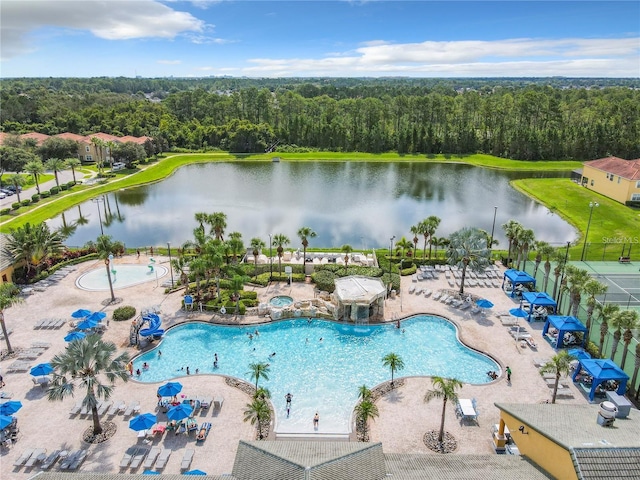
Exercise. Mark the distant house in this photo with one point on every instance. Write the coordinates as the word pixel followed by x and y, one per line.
pixel 613 177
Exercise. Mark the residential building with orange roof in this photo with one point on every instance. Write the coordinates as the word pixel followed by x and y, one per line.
pixel 38 137
pixel 613 177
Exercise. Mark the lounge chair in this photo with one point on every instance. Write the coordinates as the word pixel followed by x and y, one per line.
pixel 532 344
pixel 139 457
pixel 131 408
pixel 192 425
pixel 160 428
pixel 33 459
pixel 412 288
pixel 104 406
pixel 187 459
pixel 19 366
pixel 181 428
pixel 78 458
pixel 151 457
pixel 205 402
pixel 116 407
pixel 50 460
pixel 128 456
pixel 217 402
pixel 163 458
pixel 76 408
pixel 41 344
pixel 66 463
pixel 24 457
pixel 40 323
pixel 427 292
pixel 204 431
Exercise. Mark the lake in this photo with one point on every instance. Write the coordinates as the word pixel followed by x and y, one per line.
pixel 363 204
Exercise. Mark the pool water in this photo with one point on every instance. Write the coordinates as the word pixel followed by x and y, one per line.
pixel 281 301
pixel 125 276
pixel 321 363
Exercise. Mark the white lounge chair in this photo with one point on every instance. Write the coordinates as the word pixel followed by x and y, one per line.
pixel 135 404
pixel 33 459
pixel 78 458
pixel 138 457
pixel 412 288
pixel 76 408
pixel 161 462
pixel 50 460
pixel 187 458
pixel 23 458
pixel 151 457
pixel 104 406
pixel 128 456
pixel 117 407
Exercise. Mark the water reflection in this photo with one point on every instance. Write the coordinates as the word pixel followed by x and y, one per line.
pixel 359 203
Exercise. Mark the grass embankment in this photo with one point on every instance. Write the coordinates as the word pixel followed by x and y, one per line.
pixel 49 208
pixel 611 220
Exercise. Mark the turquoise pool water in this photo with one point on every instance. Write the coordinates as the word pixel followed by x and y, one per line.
pixel 322 375
pixel 125 276
pixel 281 301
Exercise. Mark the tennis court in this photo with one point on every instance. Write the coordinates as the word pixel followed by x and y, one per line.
pixel 623 281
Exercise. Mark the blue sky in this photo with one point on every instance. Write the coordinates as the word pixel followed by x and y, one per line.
pixel 154 38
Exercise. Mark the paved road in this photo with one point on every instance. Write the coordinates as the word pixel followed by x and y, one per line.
pixel 63 177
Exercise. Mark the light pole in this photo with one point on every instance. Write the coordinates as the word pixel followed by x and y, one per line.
pixel 107 262
pixel 97 201
pixel 390 253
pixel 493 227
pixel 170 266
pixel 586 235
pixel 270 257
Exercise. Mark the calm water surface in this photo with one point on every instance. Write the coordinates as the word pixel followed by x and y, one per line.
pixel 359 203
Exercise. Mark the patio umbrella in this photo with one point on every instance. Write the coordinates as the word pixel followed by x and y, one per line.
pixel 97 316
pixel 179 412
pixel 81 313
pixel 9 408
pixel 143 422
pixel 170 389
pixel 150 472
pixel 518 313
pixel 484 303
pixel 578 353
pixel 87 324
pixel 75 335
pixel 195 472
pixel 41 370
pixel 5 421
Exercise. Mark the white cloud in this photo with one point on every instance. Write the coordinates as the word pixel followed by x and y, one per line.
pixel 110 20
pixel 169 62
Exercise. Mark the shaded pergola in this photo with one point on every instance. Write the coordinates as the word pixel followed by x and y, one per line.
pixel 539 299
pixel 602 370
pixel 359 298
pixel 517 277
pixel 564 325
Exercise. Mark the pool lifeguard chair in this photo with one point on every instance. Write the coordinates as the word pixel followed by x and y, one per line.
pixel 188 302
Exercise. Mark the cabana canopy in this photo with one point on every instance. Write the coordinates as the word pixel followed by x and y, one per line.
pixel 517 277
pixel 564 325
pixel 541 299
pixel 602 370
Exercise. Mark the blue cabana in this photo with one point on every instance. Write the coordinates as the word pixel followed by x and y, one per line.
pixel 564 325
pixel 602 370
pixel 516 277
pixel 539 299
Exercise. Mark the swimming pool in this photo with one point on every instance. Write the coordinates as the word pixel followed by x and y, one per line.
pixel 125 276
pixel 281 301
pixel 322 375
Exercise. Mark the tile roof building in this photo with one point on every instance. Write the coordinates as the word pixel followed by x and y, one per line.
pixel 613 177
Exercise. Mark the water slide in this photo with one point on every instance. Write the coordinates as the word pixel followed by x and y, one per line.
pixel 154 326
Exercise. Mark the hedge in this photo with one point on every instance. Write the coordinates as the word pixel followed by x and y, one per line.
pixel 54 190
pixel 5 211
pixel 16 205
pixel 25 202
pixel 126 312
pixel 35 197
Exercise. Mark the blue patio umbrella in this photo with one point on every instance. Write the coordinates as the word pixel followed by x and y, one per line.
pixel 195 472
pixel 41 369
pixel 81 313
pixel 150 472
pixel 170 389
pixel 143 422
pixel 97 316
pixel 87 324
pixel 578 353
pixel 75 335
pixel 484 303
pixel 5 421
pixel 9 408
pixel 518 312
pixel 179 412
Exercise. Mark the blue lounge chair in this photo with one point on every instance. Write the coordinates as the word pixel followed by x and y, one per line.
pixel 204 432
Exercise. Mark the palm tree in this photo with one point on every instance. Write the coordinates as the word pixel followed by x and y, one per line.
pixel 262 393
pixel 280 241
pixel 66 229
pixel 366 410
pixel 444 388
pixel 198 267
pixel 626 320
pixel 431 224
pixel 605 313
pixel 257 371
pixel 592 287
pixel 576 278
pixel 110 146
pixel 468 248
pixel 214 257
pixel 444 242
pixel 559 258
pixel 525 240
pixel 99 145
pixel 237 282
pixel 202 218
pixel 236 246
pixel 218 222
pixel 346 249
pixel 17 181
pixel 560 364
pixel 305 233
pixel 364 393
pixel 257 412
pixel 106 247
pixel 32 245
pixel 179 265
pixel 403 245
pixel 546 251
pixel 636 367
pixel 73 163
pixel 511 231
pixel 55 165
pixel 35 168
pixel 538 246
pixel 394 362
pixel 257 245
pixel 415 231
pixel 88 363
pixel 8 297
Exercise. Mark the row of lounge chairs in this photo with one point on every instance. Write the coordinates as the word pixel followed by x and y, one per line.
pixel 106 406
pixel 32 456
pixel 52 323
pixel 154 457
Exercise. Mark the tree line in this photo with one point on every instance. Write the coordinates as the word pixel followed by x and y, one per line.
pixel 512 119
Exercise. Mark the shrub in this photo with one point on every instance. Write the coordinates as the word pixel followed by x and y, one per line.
pixel 592 348
pixel 70 184
pixel 409 271
pixel 54 190
pixel 126 312
pixel 64 187
pixel 45 194
pixel 15 205
pixel 25 202
pixel 5 211
pixel 35 197
pixel 324 280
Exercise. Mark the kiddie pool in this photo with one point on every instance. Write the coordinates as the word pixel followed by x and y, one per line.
pixel 125 276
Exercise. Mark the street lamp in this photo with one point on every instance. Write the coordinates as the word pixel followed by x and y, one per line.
pixel 270 258
pixel 390 253
pixel 493 227
pixel 107 262
pixel 586 235
pixel 97 201
pixel 170 267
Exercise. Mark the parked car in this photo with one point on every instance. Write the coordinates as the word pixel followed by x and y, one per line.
pixel 3 195
pixel 118 166
pixel 13 188
pixel 6 191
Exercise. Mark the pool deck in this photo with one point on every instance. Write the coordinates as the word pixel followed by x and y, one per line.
pixel 403 419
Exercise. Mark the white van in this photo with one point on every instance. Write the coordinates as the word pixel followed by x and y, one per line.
pixel 118 166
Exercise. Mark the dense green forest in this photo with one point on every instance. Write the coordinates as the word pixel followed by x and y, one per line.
pixel 529 119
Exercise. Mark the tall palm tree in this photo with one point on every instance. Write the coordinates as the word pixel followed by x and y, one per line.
pixel 89 363
pixel 280 241
pixel 305 233
pixel 236 246
pixel 17 181
pixel 257 371
pixel 511 231
pixel 559 365
pixel 346 249
pixel 394 362
pixel 366 410
pixel 110 147
pixel 8 297
pixel 99 146
pixel 257 245
pixel 214 257
pixel 445 389
pixel 444 242
pixel 546 251
pixel 35 168
pixel 624 322
pixel 403 245
pixel 201 218
pixel 431 225
pixel 198 267
pixel 525 240
pixel 538 247
pixel 218 222
pixel 592 287
pixel 415 231
pixel 55 165
pixel 559 258
pixel 576 278
pixel 257 412
pixel 105 247
pixel 73 163
pixel 468 248
pixel 32 244
pixel 237 283
pixel 605 313
pixel 364 393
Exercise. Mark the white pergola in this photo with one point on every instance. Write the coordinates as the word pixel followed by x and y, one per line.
pixel 359 298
